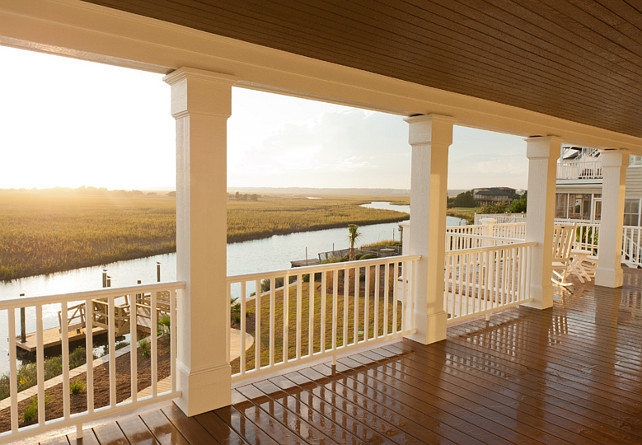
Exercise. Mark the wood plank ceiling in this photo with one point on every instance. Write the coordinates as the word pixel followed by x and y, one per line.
pixel 575 59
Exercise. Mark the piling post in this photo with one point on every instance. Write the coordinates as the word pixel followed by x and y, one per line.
pixel 158 271
pixel 23 326
pixel 139 297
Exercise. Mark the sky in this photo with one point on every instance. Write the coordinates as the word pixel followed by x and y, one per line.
pixel 72 123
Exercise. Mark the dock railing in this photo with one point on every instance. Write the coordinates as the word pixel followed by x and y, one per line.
pixel 145 373
pixel 308 313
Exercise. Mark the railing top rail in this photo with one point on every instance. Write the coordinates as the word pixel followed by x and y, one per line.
pixel 322 268
pixel 90 295
pixel 489 249
pixel 487 237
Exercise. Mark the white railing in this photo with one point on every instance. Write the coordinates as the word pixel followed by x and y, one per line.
pixel 461 241
pixel 586 236
pixel 632 246
pixel 579 170
pixel 118 305
pixel 475 229
pixel 483 280
pixel 307 313
pixel 488 234
pixel 500 218
pixel 514 230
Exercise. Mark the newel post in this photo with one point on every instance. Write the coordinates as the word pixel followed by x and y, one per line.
pixel 542 153
pixel 201 104
pixel 609 270
pixel 489 231
pixel 430 136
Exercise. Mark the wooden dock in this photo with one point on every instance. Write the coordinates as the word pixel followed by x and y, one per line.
pixel 303 263
pixel 76 321
pixel 52 337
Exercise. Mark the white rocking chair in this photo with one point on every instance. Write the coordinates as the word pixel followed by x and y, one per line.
pixel 562 243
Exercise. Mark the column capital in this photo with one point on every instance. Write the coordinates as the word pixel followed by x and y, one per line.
pixel 539 147
pixel 430 129
pixel 614 158
pixel 203 92
pixel 187 72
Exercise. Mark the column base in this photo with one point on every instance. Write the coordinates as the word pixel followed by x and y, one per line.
pixel 612 278
pixel 204 390
pixel 542 297
pixel 433 330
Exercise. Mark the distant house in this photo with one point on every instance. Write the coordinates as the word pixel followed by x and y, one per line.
pixel 493 195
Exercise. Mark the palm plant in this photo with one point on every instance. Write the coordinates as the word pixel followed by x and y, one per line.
pixel 353 235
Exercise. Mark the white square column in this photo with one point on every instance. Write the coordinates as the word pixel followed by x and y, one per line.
pixel 430 137
pixel 201 104
pixel 609 270
pixel 542 153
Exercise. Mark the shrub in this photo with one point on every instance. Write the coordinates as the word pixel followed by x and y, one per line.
pixel 121 345
pixel 77 357
pixel 163 325
pixel 53 367
pixel 27 376
pixel 145 348
pixel 4 386
pixel 31 411
pixel 77 386
pixel 498 207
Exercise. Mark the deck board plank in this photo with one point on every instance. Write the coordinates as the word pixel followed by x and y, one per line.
pixel 265 395
pixel 259 411
pixel 243 426
pixel 110 434
pixel 346 426
pixel 222 432
pixel 188 426
pixel 136 431
pixel 88 438
pixel 356 407
pixel 295 405
pixel 163 430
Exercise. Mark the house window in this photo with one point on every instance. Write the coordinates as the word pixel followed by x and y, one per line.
pixel 635 161
pixel 631 212
pixel 579 206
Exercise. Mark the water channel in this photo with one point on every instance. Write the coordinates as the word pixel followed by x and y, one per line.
pixel 262 255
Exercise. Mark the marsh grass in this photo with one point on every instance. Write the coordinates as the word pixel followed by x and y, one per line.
pixel 48 231
pixel 275 215
pixel 44 231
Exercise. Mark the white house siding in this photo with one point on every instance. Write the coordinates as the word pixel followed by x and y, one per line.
pixel 634 182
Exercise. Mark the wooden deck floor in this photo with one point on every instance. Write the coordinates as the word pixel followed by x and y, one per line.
pixel 569 374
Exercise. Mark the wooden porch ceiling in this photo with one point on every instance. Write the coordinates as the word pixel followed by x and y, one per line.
pixel 580 61
pixel 569 374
